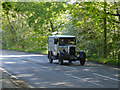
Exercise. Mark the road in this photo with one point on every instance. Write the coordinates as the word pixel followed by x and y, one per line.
pixel 37 72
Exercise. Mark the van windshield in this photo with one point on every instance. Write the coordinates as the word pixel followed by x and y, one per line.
pixel 67 41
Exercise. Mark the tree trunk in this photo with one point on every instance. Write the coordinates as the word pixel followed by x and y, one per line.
pixel 117 11
pixel 104 32
pixel 11 27
pixel 51 25
pixel 12 30
pixel 118 33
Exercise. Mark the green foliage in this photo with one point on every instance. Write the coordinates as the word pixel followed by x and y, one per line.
pixel 87 24
pixel 41 13
pixel 27 25
pixel 7 6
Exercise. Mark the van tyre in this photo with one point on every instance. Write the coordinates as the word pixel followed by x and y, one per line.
pixel 82 61
pixel 50 60
pixel 60 59
pixel 50 57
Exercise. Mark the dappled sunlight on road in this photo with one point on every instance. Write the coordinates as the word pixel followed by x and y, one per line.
pixel 10 62
pixel 25 75
pixel 63 83
pixel 58 83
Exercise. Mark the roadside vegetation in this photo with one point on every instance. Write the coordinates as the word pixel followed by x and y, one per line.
pixel 101 60
pixel 96 25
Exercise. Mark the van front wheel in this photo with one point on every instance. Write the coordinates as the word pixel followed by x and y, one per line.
pixel 50 60
pixel 50 57
pixel 82 61
pixel 60 59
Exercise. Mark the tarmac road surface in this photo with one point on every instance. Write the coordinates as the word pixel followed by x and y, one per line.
pixel 36 71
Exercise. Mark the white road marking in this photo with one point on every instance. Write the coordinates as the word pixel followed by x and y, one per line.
pixel 69 67
pixel 106 77
pixel 83 79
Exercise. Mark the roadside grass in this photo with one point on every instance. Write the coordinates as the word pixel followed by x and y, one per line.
pixel 100 59
pixel 42 51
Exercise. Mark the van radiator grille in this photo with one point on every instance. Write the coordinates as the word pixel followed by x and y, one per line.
pixel 72 50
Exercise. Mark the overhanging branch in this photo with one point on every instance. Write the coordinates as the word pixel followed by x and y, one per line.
pixel 116 21
pixel 113 14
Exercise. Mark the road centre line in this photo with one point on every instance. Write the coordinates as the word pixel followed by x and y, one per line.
pixel 106 77
pixel 69 67
pixel 93 73
pixel 83 79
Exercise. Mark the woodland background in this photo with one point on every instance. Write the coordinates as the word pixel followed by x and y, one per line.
pixel 27 25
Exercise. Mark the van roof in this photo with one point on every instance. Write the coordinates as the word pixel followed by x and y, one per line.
pixel 62 36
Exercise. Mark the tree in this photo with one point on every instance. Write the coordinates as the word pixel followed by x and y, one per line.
pixel 104 32
pixel 89 20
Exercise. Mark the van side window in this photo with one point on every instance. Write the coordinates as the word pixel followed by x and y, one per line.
pixel 55 41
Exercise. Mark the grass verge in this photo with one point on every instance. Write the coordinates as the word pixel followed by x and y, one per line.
pixel 100 59
pixel 42 51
